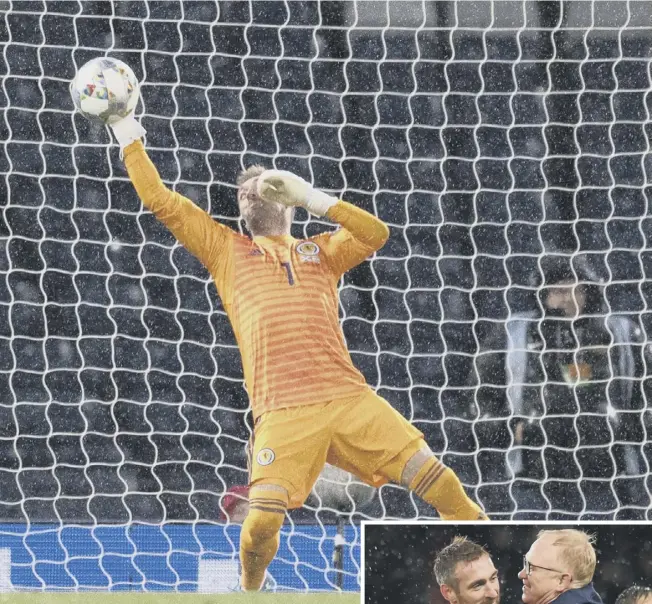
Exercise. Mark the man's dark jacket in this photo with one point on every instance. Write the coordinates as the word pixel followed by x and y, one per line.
pixel 583 595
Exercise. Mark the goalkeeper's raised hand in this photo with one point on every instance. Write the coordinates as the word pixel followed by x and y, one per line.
pixel 127 130
pixel 289 189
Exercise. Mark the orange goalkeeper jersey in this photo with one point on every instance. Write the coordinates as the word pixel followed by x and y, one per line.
pixel 280 293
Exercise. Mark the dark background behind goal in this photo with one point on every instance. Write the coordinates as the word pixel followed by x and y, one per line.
pixel 484 147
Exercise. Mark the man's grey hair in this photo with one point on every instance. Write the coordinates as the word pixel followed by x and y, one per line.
pixel 576 551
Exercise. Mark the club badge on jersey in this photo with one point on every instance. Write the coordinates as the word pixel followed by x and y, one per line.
pixel 308 252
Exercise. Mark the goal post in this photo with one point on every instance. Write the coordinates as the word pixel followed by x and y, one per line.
pixel 491 136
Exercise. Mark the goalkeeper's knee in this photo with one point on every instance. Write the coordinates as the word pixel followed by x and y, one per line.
pixel 259 538
pixel 439 486
pixel 267 507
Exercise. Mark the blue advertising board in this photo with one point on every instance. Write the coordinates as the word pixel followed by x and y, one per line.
pixel 168 557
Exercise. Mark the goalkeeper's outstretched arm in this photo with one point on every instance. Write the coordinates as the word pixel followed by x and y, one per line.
pixel 194 228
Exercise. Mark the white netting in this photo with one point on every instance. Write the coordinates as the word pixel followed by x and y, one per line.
pixel 489 135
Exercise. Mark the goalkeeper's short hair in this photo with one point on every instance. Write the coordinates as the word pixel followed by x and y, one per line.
pixel 461 549
pixel 249 173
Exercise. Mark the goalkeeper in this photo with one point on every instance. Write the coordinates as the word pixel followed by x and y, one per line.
pixel 310 404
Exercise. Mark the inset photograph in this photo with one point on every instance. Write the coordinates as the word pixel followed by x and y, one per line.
pixel 533 563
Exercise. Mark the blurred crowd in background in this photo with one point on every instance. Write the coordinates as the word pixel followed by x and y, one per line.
pixel 507 144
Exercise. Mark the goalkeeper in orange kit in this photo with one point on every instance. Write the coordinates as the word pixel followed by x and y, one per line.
pixel 310 404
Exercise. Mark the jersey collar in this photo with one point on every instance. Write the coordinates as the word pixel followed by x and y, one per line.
pixel 275 239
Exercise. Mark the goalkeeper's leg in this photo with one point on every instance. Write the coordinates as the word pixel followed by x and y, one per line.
pixel 259 538
pixel 378 444
pixel 418 469
pixel 289 450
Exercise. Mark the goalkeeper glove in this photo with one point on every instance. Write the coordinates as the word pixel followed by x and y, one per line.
pixel 127 130
pixel 291 190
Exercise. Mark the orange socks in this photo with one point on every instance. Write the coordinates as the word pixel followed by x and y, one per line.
pixel 440 487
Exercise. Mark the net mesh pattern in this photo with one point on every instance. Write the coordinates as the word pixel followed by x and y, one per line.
pixel 490 136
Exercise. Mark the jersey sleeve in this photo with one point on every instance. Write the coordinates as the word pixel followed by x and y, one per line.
pixel 361 235
pixel 195 229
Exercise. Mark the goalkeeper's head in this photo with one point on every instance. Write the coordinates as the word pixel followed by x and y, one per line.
pixel 262 218
pixel 466 573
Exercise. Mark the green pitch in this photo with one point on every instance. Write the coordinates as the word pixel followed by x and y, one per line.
pixel 93 597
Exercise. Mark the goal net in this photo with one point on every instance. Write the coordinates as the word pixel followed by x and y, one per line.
pixel 504 142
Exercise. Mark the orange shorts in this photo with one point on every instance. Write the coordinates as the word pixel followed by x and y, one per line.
pixel 360 435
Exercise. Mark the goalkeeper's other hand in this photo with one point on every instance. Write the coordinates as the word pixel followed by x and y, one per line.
pixel 127 130
pixel 291 190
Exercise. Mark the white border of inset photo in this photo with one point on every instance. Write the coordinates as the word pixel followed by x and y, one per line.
pixel 541 523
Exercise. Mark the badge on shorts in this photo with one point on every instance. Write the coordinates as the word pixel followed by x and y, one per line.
pixel 265 457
